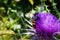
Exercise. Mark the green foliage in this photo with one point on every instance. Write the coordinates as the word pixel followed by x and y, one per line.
pixel 12 15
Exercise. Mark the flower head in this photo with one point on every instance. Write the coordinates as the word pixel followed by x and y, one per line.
pixel 46 24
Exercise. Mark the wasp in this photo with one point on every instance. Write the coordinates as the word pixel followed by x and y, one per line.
pixel 34 19
pixel 34 23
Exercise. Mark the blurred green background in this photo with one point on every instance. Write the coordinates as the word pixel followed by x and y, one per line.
pixel 16 15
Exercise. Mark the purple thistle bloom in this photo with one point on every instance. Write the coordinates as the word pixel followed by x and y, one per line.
pixel 46 25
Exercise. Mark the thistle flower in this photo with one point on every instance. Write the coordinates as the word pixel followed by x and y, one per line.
pixel 46 25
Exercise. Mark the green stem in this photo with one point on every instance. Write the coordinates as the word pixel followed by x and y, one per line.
pixel 55 8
